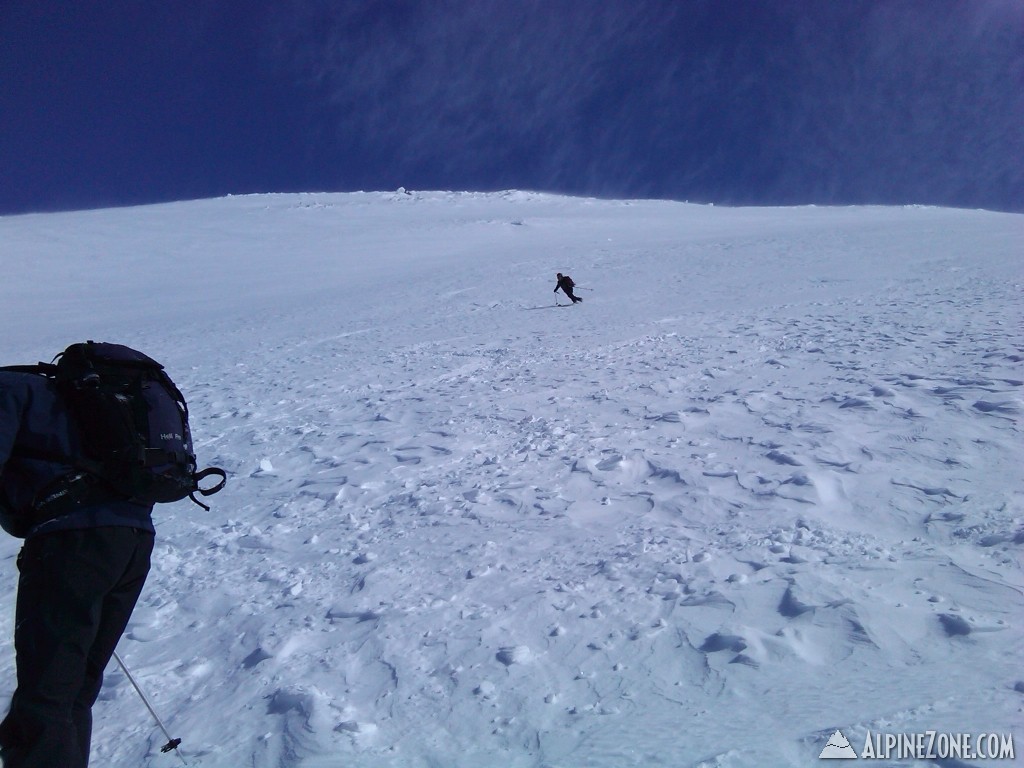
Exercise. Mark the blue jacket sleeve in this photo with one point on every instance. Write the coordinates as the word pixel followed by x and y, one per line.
pixel 12 408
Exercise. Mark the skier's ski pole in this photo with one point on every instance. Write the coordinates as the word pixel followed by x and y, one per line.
pixel 172 743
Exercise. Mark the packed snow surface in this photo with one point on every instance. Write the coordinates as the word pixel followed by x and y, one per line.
pixel 764 484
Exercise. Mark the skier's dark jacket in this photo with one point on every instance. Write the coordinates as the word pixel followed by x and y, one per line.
pixel 33 420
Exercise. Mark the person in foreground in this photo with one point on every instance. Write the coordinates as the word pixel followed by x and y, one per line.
pixel 566 284
pixel 82 568
pixel 85 512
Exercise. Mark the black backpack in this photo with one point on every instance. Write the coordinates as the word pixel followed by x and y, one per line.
pixel 133 425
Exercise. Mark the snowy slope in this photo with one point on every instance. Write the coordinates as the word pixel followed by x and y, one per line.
pixel 762 484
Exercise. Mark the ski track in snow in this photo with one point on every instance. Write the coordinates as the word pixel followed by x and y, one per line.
pixel 762 484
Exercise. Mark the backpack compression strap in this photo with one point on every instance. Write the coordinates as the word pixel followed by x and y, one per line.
pixel 42 369
pixel 202 475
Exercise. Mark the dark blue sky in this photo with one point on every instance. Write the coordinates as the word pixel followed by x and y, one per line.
pixel 114 102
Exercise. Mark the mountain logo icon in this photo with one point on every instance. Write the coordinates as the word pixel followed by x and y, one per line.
pixel 838 748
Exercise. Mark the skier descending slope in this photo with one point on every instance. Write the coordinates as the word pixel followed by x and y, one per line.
pixel 566 284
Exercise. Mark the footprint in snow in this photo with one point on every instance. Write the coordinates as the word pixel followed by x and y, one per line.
pixel 518 654
pixel 718 641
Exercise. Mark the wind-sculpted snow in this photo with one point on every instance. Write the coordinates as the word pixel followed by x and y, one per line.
pixel 762 484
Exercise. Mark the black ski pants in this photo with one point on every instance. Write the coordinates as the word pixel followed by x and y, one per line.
pixel 568 292
pixel 76 591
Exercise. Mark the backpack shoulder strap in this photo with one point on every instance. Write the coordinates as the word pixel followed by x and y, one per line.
pixel 41 369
